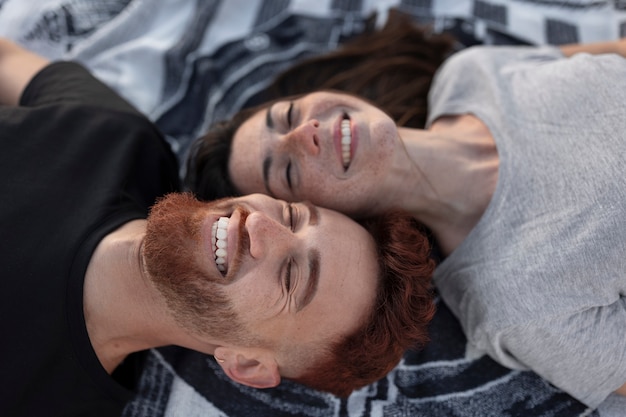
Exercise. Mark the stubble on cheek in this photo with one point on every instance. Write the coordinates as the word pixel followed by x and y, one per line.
pixel 194 299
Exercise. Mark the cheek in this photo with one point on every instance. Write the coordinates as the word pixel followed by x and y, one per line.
pixel 351 196
pixel 355 195
pixel 385 141
pixel 254 296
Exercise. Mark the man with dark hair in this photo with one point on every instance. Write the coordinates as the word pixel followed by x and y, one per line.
pixel 270 289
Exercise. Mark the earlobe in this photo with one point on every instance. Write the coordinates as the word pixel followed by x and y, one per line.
pixel 251 367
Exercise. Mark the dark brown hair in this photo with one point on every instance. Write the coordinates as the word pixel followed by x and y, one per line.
pixel 399 318
pixel 392 67
pixel 207 167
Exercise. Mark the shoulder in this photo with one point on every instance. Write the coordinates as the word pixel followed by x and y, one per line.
pixel 493 58
pixel 506 60
pixel 66 82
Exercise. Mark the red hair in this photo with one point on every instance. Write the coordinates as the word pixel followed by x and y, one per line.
pixel 399 318
pixel 195 298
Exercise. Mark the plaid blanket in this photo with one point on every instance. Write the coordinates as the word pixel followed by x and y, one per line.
pixel 446 379
pixel 189 63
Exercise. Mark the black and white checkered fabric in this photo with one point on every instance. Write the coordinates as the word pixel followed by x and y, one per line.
pixel 189 63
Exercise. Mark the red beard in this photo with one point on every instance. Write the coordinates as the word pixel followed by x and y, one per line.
pixel 196 299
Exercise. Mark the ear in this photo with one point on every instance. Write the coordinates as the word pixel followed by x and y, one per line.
pixel 255 368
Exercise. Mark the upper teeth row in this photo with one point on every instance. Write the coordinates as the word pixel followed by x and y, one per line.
pixel 219 240
pixel 346 141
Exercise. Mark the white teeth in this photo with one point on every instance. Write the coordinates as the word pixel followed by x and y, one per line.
pixel 219 240
pixel 346 141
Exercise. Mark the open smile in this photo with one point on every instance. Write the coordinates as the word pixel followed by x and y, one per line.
pixel 219 243
pixel 225 239
pixel 344 141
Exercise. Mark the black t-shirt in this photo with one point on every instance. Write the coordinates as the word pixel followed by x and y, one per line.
pixel 76 162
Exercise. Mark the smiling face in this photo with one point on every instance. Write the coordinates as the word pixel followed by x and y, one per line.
pixel 329 148
pixel 293 275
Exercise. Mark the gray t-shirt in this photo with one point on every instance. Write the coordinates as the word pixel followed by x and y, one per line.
pixel 540 282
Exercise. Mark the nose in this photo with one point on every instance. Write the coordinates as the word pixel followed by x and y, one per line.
pixel 268 237
pixel 305 137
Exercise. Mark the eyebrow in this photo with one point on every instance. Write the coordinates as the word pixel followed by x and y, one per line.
pixel 314 262
pixel 269 122
pixel 314 278
pixel 314 213
pixel 267 164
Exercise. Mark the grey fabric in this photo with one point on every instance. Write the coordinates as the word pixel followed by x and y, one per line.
pixel 540 282
pixel 188 63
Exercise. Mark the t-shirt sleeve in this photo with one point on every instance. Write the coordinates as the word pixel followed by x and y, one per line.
pixel 522 95
pixel 71 83
pixel 474 75
pixel 583 354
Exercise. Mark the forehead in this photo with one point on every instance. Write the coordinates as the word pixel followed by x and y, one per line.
pixel 349 275
pixel 245 165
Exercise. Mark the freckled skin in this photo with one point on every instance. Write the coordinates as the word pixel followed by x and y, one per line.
pixel 346 284
pixel 308 146
pixel 346 288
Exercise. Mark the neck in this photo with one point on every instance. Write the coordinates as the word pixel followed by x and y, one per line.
pixel 123 311
pixel 451 171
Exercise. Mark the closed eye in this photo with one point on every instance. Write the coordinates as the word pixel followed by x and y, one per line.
pixel 288 175
pixel 293 217
pixel 290 211
pixel 289 111
pixel 292 224
pixel 288 276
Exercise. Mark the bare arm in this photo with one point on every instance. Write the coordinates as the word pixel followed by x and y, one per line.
pixel 621 390
pixel 17 67
pixel 618 47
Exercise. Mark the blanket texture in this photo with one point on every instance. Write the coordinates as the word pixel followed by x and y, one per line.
pixel 189 63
